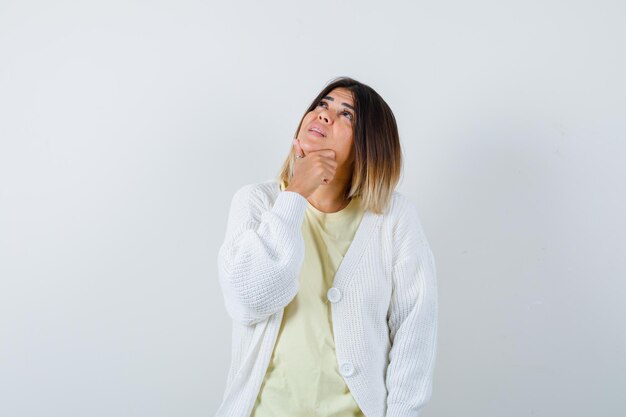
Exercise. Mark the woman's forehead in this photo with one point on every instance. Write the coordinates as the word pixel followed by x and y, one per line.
pixel 341 92
pixel 340 96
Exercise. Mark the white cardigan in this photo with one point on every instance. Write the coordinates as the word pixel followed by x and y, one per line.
pixel 384 300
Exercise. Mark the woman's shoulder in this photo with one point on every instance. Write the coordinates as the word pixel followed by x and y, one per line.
pixel 400 203
pixel 403 213
pixel 263 194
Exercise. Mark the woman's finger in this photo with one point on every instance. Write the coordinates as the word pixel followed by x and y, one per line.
pixel 296 144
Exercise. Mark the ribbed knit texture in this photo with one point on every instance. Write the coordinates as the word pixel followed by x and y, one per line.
pixel 385 322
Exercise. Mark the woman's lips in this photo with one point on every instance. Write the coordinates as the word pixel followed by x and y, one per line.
pixel 315 133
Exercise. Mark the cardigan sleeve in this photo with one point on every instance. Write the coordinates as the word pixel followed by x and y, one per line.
pixel 412 319
pixel 262 253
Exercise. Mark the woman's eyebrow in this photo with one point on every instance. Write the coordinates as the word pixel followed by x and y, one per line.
pixel 345 104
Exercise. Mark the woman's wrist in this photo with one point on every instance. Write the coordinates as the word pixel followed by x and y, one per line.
pixel 295 190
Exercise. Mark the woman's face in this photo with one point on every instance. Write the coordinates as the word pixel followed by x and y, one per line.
pixel 334 116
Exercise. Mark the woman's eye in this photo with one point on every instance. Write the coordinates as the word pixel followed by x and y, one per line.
pixel 323 103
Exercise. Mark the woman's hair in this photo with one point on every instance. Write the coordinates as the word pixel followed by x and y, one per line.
pixel 377 153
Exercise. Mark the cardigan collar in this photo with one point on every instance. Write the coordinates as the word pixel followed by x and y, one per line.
pixel 364 234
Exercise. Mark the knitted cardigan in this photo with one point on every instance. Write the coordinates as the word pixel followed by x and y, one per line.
pixel 384 300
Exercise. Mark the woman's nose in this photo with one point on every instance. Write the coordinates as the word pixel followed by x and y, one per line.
pixel 324 118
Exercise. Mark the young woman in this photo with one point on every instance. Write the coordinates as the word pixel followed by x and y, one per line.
pixel 328 276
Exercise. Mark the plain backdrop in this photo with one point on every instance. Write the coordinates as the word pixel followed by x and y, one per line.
pixel 126 127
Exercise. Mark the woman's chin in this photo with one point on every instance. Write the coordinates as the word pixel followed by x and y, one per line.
pixel 307 147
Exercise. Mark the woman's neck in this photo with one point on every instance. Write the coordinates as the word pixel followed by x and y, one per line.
pixel 331 197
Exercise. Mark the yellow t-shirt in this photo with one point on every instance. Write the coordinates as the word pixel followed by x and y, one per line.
pixel 303 378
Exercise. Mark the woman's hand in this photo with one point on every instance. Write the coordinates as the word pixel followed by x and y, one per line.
pixel 312 170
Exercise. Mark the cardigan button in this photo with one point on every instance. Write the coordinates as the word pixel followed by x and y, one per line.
pixel 333 294
pixel 346 369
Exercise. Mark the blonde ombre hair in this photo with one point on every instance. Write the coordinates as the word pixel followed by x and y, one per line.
pixel 377 153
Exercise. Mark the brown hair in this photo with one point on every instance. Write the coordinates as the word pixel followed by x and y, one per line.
pixel 377 153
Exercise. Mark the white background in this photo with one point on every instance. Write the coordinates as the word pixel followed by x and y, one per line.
pixel 125 128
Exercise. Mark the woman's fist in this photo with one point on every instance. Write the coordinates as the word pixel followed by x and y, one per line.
pixel 312 170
